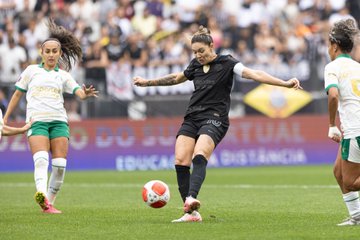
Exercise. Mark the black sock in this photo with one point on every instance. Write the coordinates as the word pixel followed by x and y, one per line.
pixel 198 175
pixel 183 179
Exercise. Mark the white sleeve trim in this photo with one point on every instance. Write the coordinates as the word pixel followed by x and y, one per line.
pixel 238 69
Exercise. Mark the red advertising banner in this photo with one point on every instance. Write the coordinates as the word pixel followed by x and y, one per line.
pixel 149 145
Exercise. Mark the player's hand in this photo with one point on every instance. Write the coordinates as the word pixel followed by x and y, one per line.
pixel 141 82
pixel 27 126
pixel 334 134
pixel 90 91
pixel 294 83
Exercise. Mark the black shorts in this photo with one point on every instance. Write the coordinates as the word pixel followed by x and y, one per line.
pixel 214 128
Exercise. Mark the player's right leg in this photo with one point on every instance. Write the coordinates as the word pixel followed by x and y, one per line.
pixel 41 164
pixel 184 149
pixel 39 145
pixel 41 199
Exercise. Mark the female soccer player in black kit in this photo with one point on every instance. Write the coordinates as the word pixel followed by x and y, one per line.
pixel 207 118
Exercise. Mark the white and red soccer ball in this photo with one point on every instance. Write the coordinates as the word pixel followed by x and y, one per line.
pixel 156 193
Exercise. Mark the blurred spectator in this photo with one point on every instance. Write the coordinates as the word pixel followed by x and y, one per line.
pixel 115 48
pixel 343 13
pixel 72 109
pixel 216 32
pixel 64 17
pixel 173 53
pixel 128 7
pixel 85 10
pixel 284 37
pixel 7 11
pixel 95 61
pixel 3 101
pixel 42 8
pixel 24 16
pixel 143 21
pixel 233 31
pixel 135 52
pixel 220 14
pixel 155 8
pixel 354 8
pixel 243 53
pixel 12 59
pixel 187 10
pixel 171 24
pixel 33 39
pixel 123 22
pixel 155 55
pixel 226 47
pixel 105 6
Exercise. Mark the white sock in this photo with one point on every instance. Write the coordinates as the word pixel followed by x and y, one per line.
pixel 352 202
pixel 41 164
pixel 56 178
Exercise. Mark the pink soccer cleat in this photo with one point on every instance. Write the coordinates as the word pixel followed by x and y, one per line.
pixel 189 217
pixel 191 204
pixel 52 210
pixel 44 203
pixel 41 199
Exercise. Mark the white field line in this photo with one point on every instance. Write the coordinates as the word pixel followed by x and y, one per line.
pixel 125 185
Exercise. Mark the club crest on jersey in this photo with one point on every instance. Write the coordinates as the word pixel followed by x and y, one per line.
pixel 206 68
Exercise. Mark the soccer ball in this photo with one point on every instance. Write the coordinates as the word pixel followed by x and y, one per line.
pixel 156 193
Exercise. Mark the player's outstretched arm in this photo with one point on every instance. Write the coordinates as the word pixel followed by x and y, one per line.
pixel 171 79
pixel 86 92
pixel 9 131
pixel 263 77
pixel 14 101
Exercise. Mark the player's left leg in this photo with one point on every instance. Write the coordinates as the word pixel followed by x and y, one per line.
pixel 203 150
pixel 59 150
pixel 56 178
pixel 350 169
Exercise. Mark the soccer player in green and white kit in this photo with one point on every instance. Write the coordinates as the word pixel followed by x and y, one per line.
pixel 342 83
pixel 44 85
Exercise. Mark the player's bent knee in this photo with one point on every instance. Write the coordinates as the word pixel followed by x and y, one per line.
pixel 182 161
pixel 59 162
pixel 41 159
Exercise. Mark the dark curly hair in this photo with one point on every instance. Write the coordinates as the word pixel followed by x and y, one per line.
pixel 343 33
pixel 70 45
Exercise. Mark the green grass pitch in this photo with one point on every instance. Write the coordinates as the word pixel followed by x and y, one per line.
pixel 301 202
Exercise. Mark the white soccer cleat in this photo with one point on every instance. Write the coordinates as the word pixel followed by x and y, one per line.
pixel 189 217
pixel 350 221
pixel 191 204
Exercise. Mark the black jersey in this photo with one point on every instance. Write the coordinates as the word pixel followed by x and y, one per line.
pixel 211 97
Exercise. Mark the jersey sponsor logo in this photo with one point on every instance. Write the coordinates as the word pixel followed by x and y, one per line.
pixel 214 122
pixel 48 92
